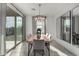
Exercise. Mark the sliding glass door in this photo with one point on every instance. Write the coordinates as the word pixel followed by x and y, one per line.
pixel 10 32
pixel 13 28
pixel 18 29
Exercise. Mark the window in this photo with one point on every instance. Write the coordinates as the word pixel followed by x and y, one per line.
pixel 18 29
pixel 10 34
pixel 67 24
pixel 40 24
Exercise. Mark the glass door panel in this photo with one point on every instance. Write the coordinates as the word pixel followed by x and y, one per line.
pixel 10 34
pixel 18 29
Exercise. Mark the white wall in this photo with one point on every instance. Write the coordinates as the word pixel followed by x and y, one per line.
pixel 58 28
pixel 51 26
pixel 28 25
pixel 68 46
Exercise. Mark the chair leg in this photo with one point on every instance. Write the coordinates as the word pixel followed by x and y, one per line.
pixel 28 53
pixel 34 53
pixel 43 53
pixel 49 51
pixel 48 48
pixel 29 48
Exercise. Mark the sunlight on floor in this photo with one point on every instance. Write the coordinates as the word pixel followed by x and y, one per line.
pixel 58 51
pixel 17 51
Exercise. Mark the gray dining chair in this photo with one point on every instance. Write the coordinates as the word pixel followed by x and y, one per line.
pixel 38 47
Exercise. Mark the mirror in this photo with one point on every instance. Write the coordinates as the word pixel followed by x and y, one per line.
pixel 65 23
pixel 75 22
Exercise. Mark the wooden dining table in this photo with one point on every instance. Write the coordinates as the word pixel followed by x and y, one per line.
pixel 43 37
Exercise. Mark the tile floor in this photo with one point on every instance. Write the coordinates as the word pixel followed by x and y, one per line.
pixel 55 50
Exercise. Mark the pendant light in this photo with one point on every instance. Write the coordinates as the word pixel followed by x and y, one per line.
pixel 39 17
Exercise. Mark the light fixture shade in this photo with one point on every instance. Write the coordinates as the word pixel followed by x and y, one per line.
pixel 39 17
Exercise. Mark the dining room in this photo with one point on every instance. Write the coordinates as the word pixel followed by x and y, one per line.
pixel 38 29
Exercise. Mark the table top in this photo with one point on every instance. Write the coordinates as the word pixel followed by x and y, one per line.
pixel 34 37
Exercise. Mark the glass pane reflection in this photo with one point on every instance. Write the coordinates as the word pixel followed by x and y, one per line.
pixel 10 36
pixel 19 29
pixel 65 27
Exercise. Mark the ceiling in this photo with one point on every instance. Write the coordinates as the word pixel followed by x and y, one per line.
pixel 46 9
pixel 10 12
